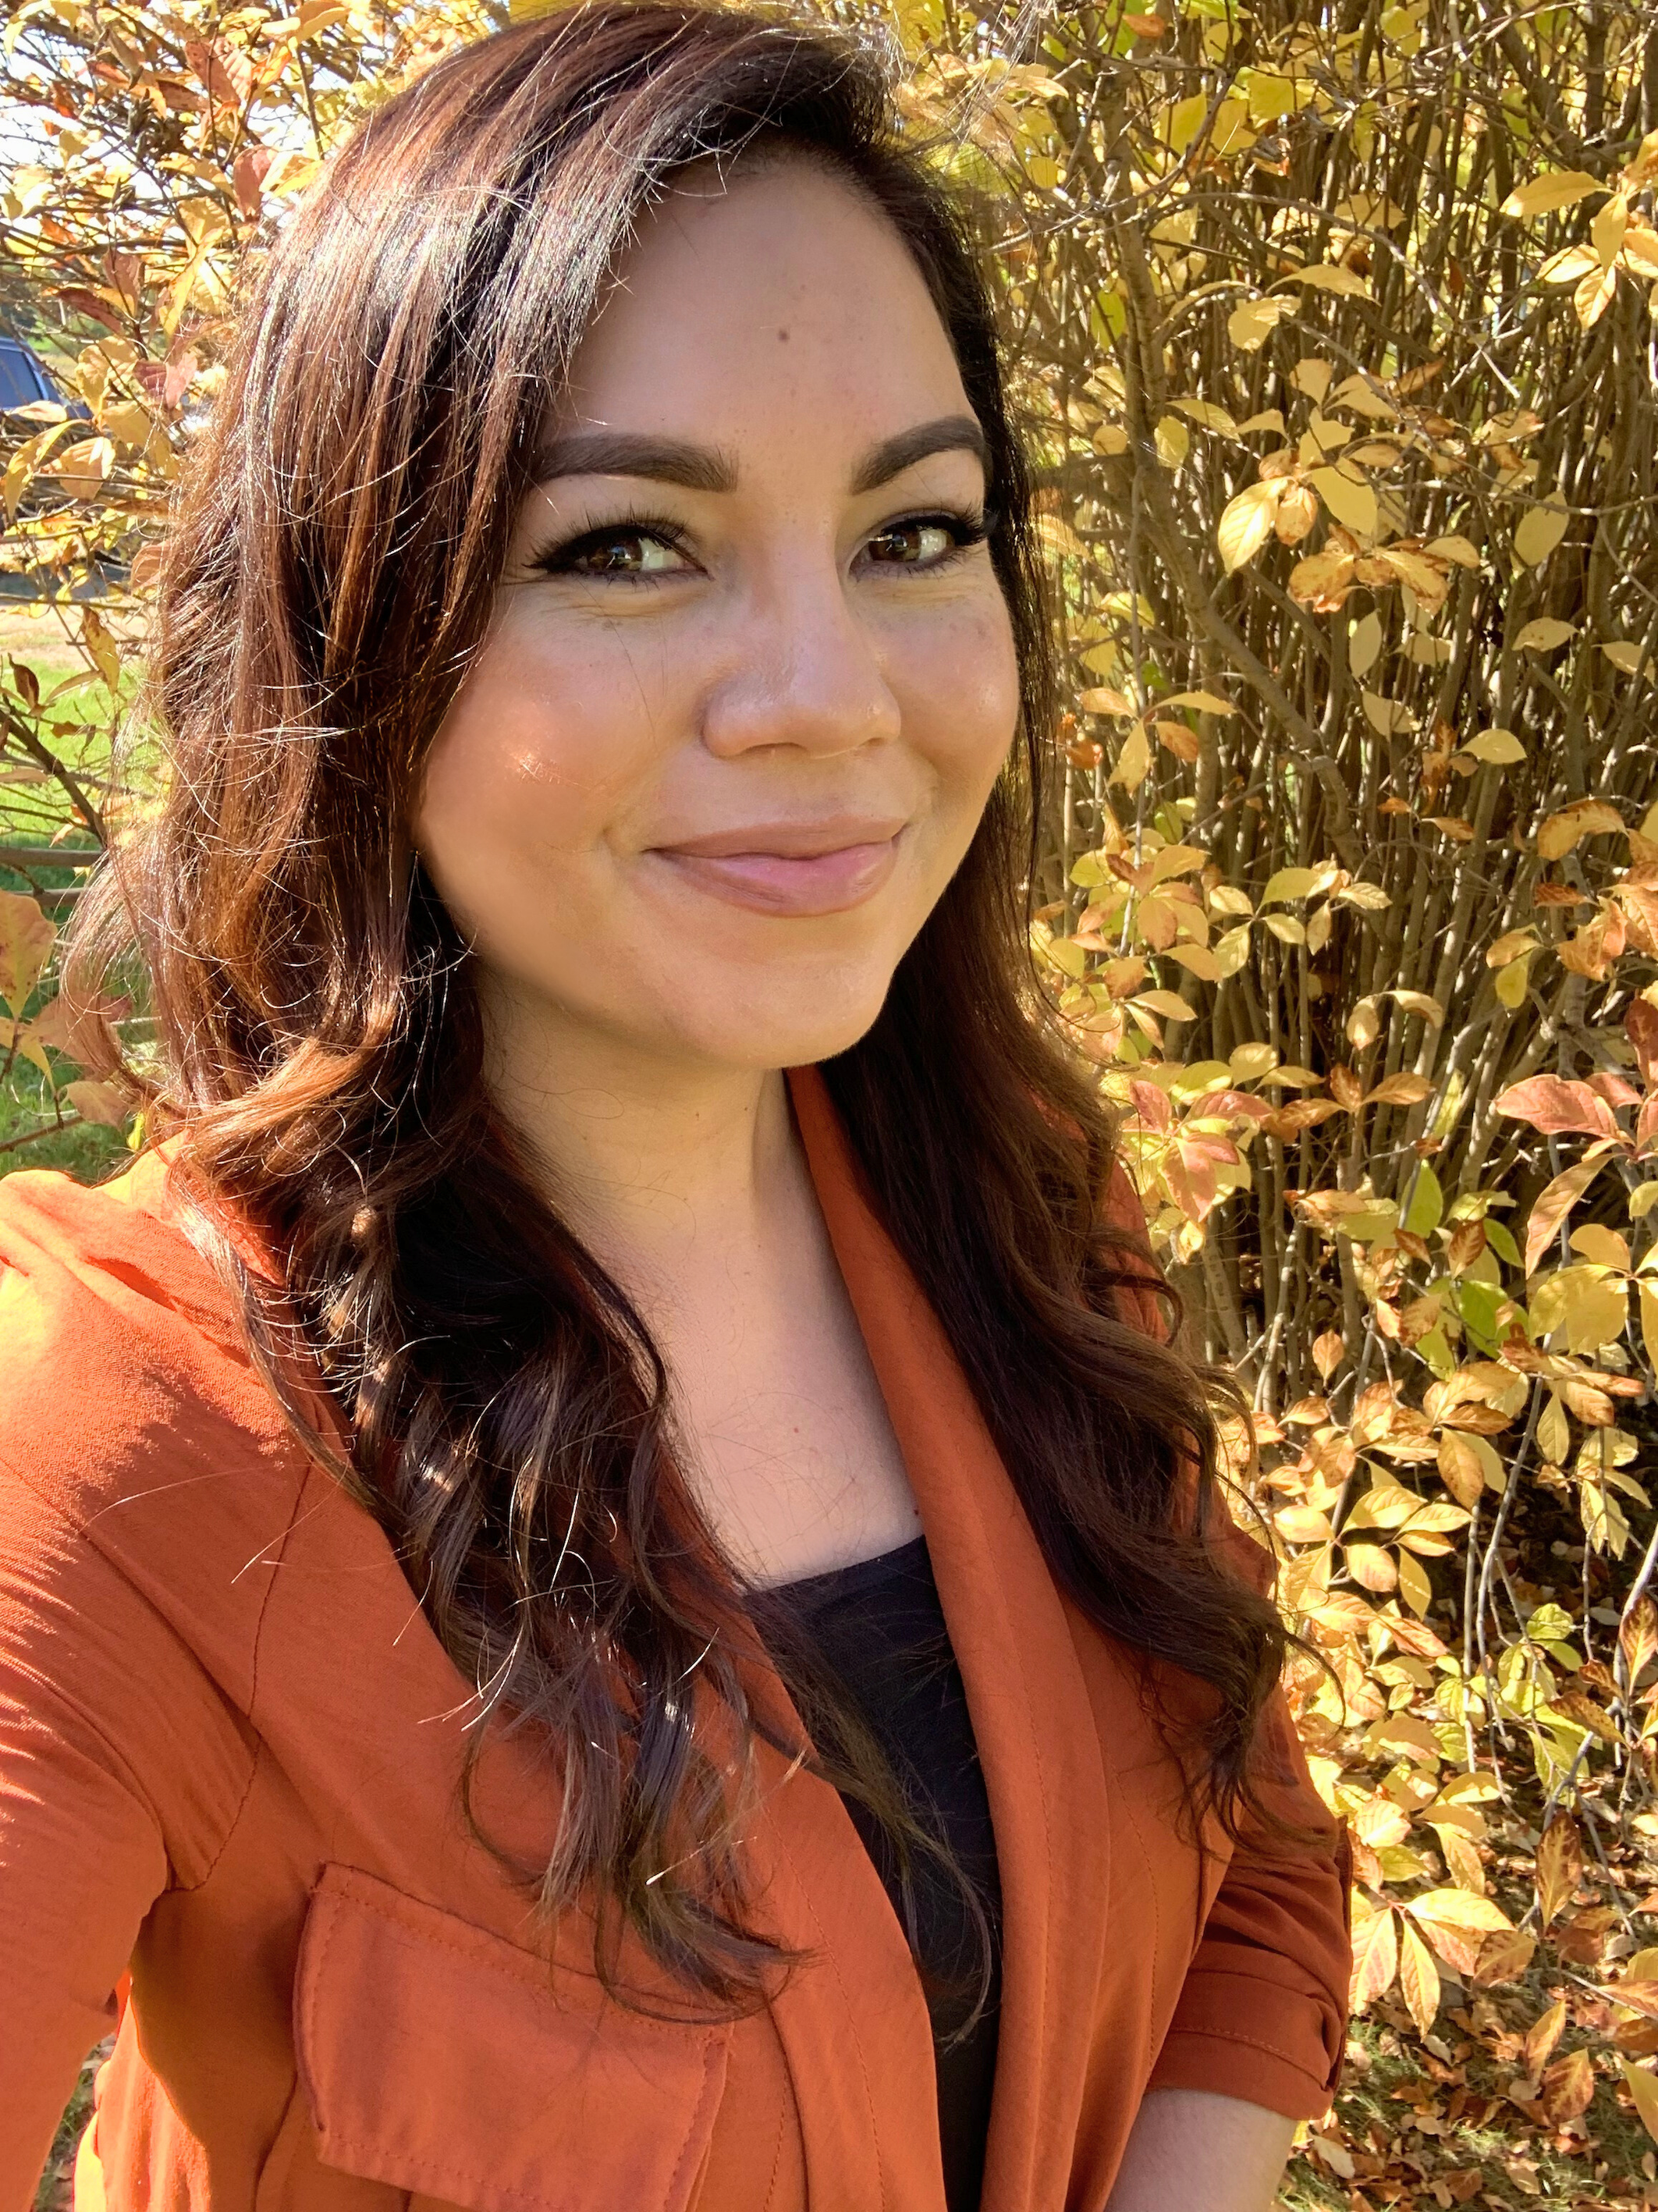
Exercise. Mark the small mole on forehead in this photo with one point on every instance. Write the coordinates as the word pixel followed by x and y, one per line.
pixel 783 338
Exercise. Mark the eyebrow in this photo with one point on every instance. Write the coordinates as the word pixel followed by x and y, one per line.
pixel 703 468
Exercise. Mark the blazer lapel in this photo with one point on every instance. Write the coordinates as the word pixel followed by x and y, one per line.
pixel 1035 1727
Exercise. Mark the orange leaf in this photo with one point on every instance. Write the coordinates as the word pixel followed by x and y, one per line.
pixel 1552 1207
pixel 1554 1106
pixel 1569 2089
pixel 26 940
pixel 1541 2037
pixel 1559 1866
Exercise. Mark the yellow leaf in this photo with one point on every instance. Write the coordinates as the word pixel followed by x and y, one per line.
pixel 1176 860
pixel 1626 656
pixel 1364 644
pixel 1459 551
pixel 1545 635
pixel 1250 325
pixel 1352 502
pixel 1594 295
pixel 1197 960
pixel 1313 377
pixel 1562 188
pixel 1389 717
pixel 1459 1468
pixel 1172 440
pixel 1585 817
pixel 1569 266
pixel 81 469
pixel 1553 1431
pixel 1290 884
pixel 1643 2091
pixel 1609 228
pixel 1458 1908
pixel 1604 1247
pixel 1331 277
pixel 1499 748
pixel 1206 702
pixel 1134 760
pixel 1649 1313
pixel 1184 120
pixel 1246 523
pixel 1232 949
pixel 1401 1090
pixel 1413 1585
pixel 1270 97
pixel 1540 530
pixel 1250 1061
pixel 1513 982
pixel 1206 415
pixel 1298 1078
pixel 1376 1953
pixel 1231 131
pixel 1418 1977
pixel 1511 946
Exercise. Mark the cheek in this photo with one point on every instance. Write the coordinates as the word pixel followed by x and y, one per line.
pixel 535 758
pixel 959 689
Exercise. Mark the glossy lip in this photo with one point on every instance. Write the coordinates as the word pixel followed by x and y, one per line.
pixel 790 868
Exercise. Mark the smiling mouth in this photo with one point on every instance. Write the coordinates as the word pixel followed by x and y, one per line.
pixel 789 870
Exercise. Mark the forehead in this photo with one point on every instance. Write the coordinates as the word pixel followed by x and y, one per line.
pixel 779 291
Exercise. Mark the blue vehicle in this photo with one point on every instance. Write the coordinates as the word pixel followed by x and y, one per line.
pixel 24 377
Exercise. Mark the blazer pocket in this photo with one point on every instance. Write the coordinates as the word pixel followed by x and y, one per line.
pixel 445 2061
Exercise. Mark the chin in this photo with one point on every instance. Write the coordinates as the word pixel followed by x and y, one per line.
pixel 792 1025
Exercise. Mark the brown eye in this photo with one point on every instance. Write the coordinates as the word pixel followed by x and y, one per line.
pixel 620 550
pixel 914 544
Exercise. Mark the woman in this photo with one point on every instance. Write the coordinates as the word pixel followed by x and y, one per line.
pixel 613 1593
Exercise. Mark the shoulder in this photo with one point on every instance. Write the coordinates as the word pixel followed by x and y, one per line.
pixel 132 1414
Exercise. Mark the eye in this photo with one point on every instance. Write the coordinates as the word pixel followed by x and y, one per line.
pixel 618 548
pixel 925 541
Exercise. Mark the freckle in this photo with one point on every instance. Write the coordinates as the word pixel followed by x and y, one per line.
pixel 782 338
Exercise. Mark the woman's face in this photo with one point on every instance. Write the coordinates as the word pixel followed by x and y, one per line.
pixel 750 675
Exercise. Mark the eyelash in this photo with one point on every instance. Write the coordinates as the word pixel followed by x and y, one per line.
pixel 968 530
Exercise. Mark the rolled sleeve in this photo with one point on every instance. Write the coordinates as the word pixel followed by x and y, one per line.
pixel 1262 2015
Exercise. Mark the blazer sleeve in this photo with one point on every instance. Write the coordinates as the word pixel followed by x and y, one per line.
pixel 92 1683
pixel 1262 2013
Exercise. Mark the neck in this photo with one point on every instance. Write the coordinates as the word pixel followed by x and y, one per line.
pixel 646 1157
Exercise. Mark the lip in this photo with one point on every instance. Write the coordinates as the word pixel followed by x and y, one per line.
pixel 790 868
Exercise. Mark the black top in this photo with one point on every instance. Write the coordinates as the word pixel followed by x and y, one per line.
pixel 879 1627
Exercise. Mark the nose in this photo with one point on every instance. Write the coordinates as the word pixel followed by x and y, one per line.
pixel 803 671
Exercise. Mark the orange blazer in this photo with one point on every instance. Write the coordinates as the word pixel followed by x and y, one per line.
pixel 229 1745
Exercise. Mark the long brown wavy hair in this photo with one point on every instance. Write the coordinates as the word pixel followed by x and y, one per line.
pixel 505 1413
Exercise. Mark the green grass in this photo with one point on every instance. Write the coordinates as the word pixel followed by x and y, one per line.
pixel 78 722
pixel 55 2191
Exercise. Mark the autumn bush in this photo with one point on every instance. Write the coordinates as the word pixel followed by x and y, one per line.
pixel 1334 332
